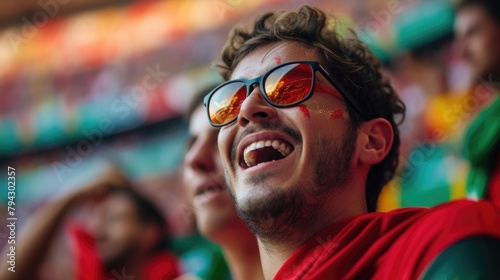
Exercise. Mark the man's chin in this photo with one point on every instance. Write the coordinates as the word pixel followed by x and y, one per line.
pixel 270 214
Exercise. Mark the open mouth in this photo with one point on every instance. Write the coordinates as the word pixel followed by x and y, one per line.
pixel 265 151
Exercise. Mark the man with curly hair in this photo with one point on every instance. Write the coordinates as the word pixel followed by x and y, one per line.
pixel 308 138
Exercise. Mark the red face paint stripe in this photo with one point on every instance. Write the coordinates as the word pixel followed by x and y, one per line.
pixel 305 111
pixel 330 90
pixel 337 114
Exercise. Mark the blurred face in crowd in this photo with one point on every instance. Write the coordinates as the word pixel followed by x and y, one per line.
pixel 203 176
pixel 119 232
pixel 478 36
pixel 302 154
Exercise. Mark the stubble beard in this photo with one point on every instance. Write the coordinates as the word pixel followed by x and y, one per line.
pixel 273 214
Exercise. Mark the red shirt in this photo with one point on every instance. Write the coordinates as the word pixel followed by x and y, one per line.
pixel 88 266
pixel 396 245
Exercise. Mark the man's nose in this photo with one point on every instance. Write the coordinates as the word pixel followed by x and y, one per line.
pixel 199 157
pixel 255 108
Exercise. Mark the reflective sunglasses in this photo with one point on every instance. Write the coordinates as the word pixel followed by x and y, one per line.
pixel 283 86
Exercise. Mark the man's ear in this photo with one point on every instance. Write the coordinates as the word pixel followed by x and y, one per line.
pixel 376 141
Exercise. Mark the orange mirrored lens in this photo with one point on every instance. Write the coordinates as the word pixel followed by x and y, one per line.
pixel 289 84
pixel 225 103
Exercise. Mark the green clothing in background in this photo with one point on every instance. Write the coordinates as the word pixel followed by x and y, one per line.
pixel 480 145
pixel 201 257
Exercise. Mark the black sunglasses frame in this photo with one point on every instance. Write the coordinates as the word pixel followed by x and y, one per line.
pixel 315 66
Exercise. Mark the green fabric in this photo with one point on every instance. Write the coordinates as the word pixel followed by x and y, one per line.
pixel 480 144
pixel 472 258
pixel 201 257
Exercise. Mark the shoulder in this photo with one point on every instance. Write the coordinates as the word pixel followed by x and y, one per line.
pixel 473 249
pixel 439 228
pixel 348 248
pixel 463 217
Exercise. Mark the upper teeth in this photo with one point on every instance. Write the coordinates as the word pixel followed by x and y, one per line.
pixel 282 147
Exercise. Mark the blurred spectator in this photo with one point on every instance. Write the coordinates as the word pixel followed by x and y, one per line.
pixel 216 216
pixel 127 236
pixel 431 169
pixel 478 34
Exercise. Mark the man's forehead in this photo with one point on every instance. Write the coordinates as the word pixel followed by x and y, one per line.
pixel 266 57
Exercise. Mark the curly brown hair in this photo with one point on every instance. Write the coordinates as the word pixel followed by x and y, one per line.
pixel 354 65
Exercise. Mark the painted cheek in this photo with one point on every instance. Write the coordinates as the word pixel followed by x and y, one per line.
pixel 277 59
pixel 305 111
pixel 320 110
pixel 322 88
pixel 337 114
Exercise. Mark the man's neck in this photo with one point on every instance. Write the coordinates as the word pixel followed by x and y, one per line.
pixel 243 260
pixel 274 253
